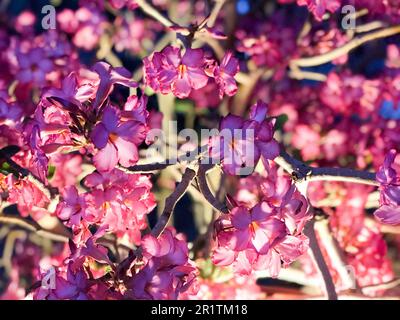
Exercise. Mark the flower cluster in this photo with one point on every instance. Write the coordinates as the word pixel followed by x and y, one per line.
pixel 117 202
pixel 88 210
pixel 167 270
pixel 171 71
pixel 320 7
pixel 389 179
pixel 265 235
pixel 241 143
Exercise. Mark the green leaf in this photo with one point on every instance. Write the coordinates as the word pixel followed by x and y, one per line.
pixel 50 173
pixel 280 121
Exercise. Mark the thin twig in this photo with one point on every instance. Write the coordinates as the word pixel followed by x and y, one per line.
pixel 303 172
pixel 154 13
pixel 320 261
pixel 171 201
pixel 336 255
pixel 341 51
pixel 205 189
pixel 144 168
pixel 33 226
pixel 214 13
pixel 384 286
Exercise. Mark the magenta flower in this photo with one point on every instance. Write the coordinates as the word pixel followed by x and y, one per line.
pixel 34 65
pixel 72 286
pixel 168 271
pixel 257 229
pixel 119 4
pixel 117 141
pixel 110 76
pixel 72 208
pixel 225 73
pixel 72 92
pixel 169 71
pixel 389 180
pixel 317 7
pixel 30 200
pixel 135 108
pixel 120 202
pixel 265 236
pixel 241 143
pixel 9 112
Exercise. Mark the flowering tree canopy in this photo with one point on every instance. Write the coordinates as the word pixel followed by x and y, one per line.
pixel 198 149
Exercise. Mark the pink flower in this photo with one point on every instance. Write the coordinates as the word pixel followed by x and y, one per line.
pixel 257 229
pixel 34 65
pixel 13 291
pixel 72 208
pixel 169 71
pixel 110 76
pixel 67 21
pixel 206 97
pixel 87 247
pixel 30 200
pixel 270 185
pixel 9 112
pixel 71 94
pixel 262 237
pixel 119 4
pixel 135 108
pixel 224 75
pixel 319 7
pixel 241 143
pixel 72 286
pixel 91 26
pixel 25 22
pixel 120 202
pixel 67 169
pixel 168 271
pixel 389 180
pixel 308 141
pixel 117 141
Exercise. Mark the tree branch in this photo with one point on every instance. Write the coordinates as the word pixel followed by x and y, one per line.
pixel 320 261
pixel 212 18
pixel 33 226
pixel 338 52
pixel 144 168
pixel 154 13
pixel 171 201
pixel 302 172
pixel 205 189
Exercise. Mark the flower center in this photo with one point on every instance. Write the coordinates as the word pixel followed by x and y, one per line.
pixel 106 205
pixel 113 137
pixel 254 227
pixel 181 70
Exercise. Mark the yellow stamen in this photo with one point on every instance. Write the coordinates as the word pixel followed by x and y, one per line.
pixel 182 69
pixel 113 137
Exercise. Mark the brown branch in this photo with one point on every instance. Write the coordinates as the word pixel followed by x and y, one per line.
pixel 171 201
pixel 320 261
pixel 302 172
pixel 205 189
pixel 144 168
